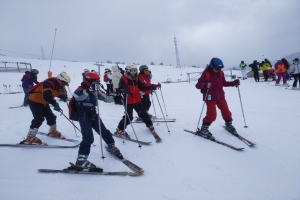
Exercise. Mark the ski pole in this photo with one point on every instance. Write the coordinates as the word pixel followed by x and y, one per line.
pixel 154 108
pixel 52 49
pixel 97 87
pixel 127 116
pixel 162 111
pixel 163 102
pixel 208 85
pixel 242 107
pixel 61 111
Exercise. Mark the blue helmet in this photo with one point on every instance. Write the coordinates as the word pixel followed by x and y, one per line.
pixel 216 63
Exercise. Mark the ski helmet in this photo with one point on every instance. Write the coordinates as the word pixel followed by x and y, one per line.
pixel 242 61
pixel 63 78
pixel 296 61
pixel 216 63
pixel 143 67
pixel 35 71
pixel 85 70
pixel 131 68
pixel 89 77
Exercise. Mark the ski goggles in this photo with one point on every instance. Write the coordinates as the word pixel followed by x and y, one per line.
pixel 133 70
pixel 62 83
pixel 217 68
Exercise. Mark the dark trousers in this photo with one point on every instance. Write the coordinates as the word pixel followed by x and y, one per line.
pixel 296 79
pixel 88 122
pixel 109 88
pixel 138 107
pixel 40 112
pixel 25 102
pixel 256 76
pixel 265 75
pixel 146 101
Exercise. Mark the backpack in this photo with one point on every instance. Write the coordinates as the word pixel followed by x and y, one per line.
pixel 207 74
pixel 105 78
pixel 31 90
pixel 72 109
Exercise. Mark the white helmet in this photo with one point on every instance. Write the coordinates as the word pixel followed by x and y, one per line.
pixel 64 77
pixel 85 70
pixel 131 68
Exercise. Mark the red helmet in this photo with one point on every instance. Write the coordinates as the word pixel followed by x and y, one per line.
pixel 89 77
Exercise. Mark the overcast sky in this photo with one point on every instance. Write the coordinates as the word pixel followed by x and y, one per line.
pixel 142 31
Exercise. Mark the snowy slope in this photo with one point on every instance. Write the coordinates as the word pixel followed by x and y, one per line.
pixel 183 166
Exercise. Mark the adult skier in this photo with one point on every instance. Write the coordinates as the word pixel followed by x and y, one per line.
pixel 243 67
pixel 295 71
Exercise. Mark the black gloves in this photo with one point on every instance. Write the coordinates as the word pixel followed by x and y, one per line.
pixel 123 91
pixel 63 97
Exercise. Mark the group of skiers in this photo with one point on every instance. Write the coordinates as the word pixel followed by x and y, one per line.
pixel 282 69
pixel 132 88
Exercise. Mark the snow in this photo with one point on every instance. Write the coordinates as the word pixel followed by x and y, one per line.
pixel 182 166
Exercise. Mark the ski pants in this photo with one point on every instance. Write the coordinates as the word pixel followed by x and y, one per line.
pixel 256 76
pixel 297 78
pixel 139 108
pixel 211 112
pixel 40 112
pixel 146 101
pixel 88 122
pixel 244 74
pixel 109 88
pixel 279 75
pixel 265 73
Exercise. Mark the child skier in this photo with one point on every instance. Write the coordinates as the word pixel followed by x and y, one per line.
pixel 86 102
pixel 129 87
pixel 41 96
pixel 212 82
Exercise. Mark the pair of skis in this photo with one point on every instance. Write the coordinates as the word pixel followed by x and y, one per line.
pixel 136 169
pixel 246 141
pixel 44 145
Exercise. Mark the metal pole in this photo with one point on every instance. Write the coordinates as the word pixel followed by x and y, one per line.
pixel 52 49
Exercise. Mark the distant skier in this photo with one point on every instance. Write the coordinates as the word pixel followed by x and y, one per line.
pixel 107 79
pixel 243 67
pixel 42 95
pixel 254 66
pixel 115 77
pixel 28 80
pixel 280 71
pixel 211 83
pixel 295 71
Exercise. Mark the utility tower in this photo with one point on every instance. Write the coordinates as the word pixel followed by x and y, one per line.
pixel 43 54
pixel 177 54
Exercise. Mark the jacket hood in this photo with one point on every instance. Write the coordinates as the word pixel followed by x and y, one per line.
pixel 115 68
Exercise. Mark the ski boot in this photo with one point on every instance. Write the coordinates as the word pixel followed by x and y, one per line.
pixel 54 133
pixel 122 133
pixel 157 138
pixel 230 128
pixel 111 148
pixel 204 132
pixel 31 138
pixel 83 164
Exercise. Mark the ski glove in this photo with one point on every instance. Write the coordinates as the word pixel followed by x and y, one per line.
pixel 153 87
pixel 56 107
pixel 236 82
pixel 63 97
pixel 158 86
pixel 123 91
